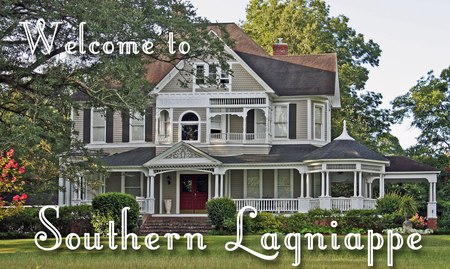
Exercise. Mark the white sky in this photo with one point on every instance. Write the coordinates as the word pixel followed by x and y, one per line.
pixel 414 37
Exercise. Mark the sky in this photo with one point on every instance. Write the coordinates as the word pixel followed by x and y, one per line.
pixel 414 36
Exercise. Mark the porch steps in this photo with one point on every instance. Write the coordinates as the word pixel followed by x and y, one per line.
pixel 181 225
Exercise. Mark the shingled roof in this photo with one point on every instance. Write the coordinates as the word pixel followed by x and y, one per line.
pixel 135 157
pixel 277 154
pixel 404 164
pixel 297 75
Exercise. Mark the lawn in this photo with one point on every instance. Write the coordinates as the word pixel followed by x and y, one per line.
pixel 435 254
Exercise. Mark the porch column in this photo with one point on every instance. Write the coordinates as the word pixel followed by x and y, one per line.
pixel 323 184
pixel 355 185
pixel 221 185
pixel 244 126
pixel 328 184
pixel 370 190
pixel 308 185
pixel 360 184
pixel 150 208
pixel 216 186
pixel 381 186
pixel 431 207
pixel 302 185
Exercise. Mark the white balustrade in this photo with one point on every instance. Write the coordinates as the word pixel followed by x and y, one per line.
pixel 269 205
pixel 141 201
pixel 369 203
pixel 341 203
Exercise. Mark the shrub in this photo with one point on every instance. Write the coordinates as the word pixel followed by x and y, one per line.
pixel 221 211
pixel 266 222
pixel 390 221
pixel 389 204
pixel 110 205
pixel 72 219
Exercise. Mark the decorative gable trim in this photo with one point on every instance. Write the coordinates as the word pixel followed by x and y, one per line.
pixel 181 154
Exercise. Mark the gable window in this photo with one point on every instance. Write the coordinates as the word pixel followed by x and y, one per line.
pixel 284 183
pixel 137 127
pixel 281 121
pixel 190 127
pixel 211 74
pixel 98 125
pixel 253 184
pixel 319 126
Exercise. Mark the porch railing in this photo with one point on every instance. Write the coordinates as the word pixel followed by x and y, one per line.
pixel 369 203
pixel 236 137
pixel 269 205
pixel 341 203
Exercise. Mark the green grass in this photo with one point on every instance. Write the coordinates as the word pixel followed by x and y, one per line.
pixel 435 254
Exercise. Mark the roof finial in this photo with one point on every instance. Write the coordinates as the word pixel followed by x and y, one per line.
pixel 344 135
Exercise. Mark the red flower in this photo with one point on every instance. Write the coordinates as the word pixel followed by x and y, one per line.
pixel 16 198
pixel 23 196
pixel 10 153
pixel 21 170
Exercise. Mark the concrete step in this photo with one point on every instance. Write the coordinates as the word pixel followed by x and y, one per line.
pixel 181 225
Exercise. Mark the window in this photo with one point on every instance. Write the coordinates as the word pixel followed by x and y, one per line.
pixel 284 183
pixel 216 124
pixel 98 125
pixel 224 78
pixel 190 127
pixel 211 74
pixel 281 121
pixel 133 184
pixel 200 74
pixel 319 127
pixel 253 184
pixel 164 124
pixel 137 127
pixel 260 124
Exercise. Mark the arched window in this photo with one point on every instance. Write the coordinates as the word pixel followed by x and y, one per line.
pixel 164 126
pixel 189 127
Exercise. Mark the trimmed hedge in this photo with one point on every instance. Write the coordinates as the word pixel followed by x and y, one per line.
pixel 25 224
pixel 319 221
pixel 110 205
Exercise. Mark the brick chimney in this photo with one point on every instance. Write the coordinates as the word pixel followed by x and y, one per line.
pixel 280 48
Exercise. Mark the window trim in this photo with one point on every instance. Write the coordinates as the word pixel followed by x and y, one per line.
pixel 322 131
pixel 256 121
pixel 131 128
pixel 181 123
pixel 162 124
pixel 274 121
pixel 95 109
pixel 219 73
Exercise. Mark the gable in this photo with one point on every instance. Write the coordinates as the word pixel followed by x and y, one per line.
pixel 240 81
pixel 182 154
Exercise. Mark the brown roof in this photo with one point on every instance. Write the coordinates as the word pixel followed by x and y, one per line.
pixel 404 164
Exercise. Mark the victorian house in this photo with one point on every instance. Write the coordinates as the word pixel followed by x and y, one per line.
pixel 261 136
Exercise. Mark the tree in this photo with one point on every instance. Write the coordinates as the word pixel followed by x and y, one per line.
pixel 36 88
pixel 308 28
pixel 428 103
pixel 11 185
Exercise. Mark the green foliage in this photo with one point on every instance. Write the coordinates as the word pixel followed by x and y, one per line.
pixel 393 220
pixel 110 205
pixel 72 219
pixel 221 211
pixel 266 222
pixel 408 206
pixel 100 222
pixel 428 103
pixel 308 28
pixel 36 90
pixel 389 204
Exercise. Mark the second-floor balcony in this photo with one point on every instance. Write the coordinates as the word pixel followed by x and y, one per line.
pixel 232 138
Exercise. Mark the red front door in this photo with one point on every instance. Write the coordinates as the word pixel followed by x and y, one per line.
pixel 194 193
